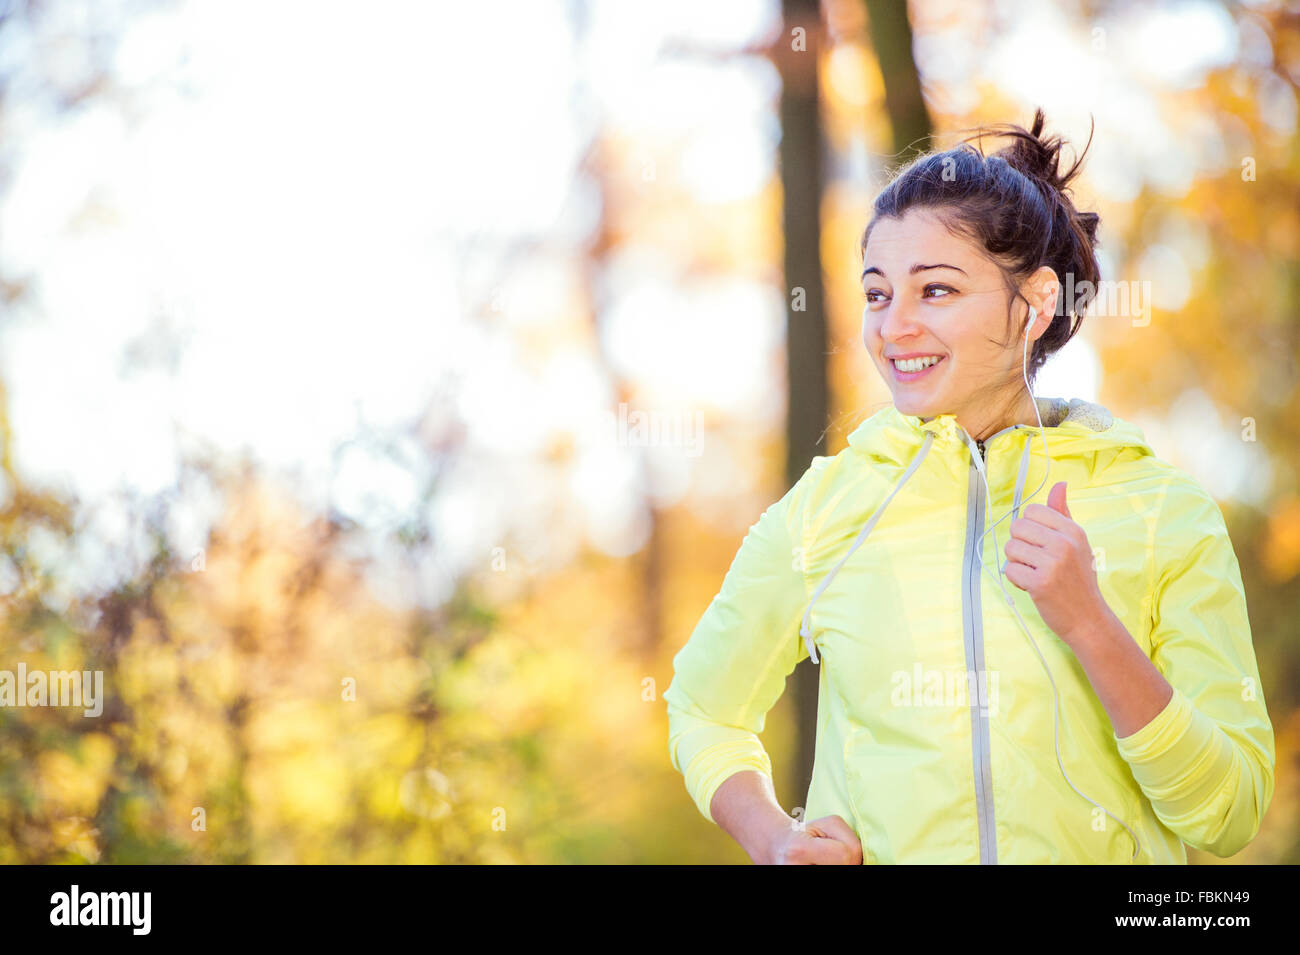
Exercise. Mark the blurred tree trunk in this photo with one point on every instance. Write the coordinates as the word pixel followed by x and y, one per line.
pixel 891 39
pixel 801 156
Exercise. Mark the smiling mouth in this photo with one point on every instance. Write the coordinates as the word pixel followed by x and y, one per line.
pixel 914 368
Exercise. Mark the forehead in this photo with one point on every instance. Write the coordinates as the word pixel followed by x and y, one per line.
pixel 918 237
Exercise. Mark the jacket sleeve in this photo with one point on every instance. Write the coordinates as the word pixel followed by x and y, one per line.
pixel 733 668
pixel 1206 761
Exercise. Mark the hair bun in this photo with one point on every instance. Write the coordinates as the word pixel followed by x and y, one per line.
pixel 1038 156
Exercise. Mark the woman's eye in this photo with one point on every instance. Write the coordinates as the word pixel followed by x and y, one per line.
pixel 932 291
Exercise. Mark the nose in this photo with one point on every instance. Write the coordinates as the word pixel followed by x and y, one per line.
pixel 897 321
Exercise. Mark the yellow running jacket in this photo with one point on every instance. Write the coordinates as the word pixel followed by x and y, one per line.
pixel 936 737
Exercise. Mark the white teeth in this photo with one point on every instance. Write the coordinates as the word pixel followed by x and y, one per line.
pixel 916 364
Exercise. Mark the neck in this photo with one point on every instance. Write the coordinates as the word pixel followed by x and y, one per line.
pixel 983 422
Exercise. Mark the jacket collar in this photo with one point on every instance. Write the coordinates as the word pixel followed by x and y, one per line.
pixel 1076 426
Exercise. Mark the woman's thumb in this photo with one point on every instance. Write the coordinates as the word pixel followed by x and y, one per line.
pixel 1056 499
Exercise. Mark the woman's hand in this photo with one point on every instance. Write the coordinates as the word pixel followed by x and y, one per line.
pixel 745 807
pixel 1049 556
pixel 825 841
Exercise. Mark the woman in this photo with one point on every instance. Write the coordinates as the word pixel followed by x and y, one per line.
pixel 1002 680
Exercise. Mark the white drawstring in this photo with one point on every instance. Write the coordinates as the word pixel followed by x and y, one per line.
pixel 805 629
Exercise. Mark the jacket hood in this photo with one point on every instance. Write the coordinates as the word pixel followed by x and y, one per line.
pixel 1071 426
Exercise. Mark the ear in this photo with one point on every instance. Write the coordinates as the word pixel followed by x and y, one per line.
pixel 1044 292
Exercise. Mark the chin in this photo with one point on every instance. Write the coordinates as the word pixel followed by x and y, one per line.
pixel 912 405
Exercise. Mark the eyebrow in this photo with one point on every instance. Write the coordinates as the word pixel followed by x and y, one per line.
pixel 912 271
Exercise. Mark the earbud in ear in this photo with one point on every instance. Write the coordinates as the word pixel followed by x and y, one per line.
pixel 1033 314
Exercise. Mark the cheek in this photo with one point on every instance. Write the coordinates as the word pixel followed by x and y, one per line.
pixel 870 328
pixel 969 347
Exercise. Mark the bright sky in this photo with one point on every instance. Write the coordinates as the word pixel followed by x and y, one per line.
pixel 276 226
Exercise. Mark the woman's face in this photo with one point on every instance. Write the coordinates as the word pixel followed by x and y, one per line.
pixel 934 295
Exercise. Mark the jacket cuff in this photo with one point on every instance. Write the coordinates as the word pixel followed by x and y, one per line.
pixel 1159 736
pixel 713 765
pixel 1177 757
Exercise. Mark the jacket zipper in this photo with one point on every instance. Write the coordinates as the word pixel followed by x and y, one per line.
pixel 973 636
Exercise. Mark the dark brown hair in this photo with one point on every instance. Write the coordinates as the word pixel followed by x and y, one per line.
pixel 1015 205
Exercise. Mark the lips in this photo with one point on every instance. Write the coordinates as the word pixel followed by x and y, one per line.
pixel 915 375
